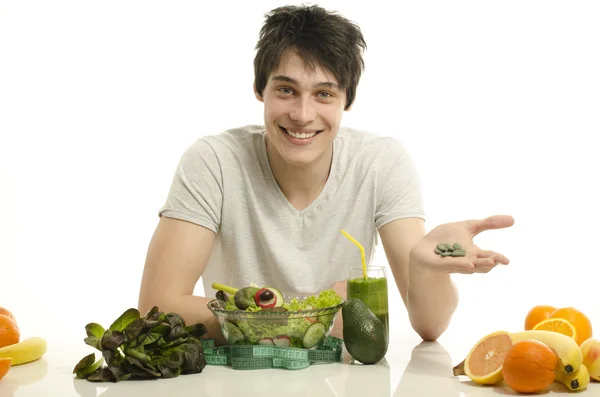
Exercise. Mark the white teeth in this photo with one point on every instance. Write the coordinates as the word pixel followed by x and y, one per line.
pixel 301 135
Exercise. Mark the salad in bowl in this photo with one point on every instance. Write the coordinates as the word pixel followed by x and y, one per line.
pixel 264 316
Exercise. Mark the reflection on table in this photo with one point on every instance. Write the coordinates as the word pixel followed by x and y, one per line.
pixel 22 375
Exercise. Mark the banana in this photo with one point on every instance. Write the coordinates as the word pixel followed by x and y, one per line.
pixel 568 352
pixel 576 380
pixel 25 351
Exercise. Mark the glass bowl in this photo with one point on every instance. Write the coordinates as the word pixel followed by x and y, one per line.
pixel 302 328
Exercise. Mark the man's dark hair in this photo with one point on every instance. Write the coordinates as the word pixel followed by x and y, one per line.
pixel 319 37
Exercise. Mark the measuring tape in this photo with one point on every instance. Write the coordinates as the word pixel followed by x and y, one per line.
pixel 247 357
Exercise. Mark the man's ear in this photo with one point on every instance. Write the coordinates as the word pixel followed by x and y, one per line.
pixel 256 94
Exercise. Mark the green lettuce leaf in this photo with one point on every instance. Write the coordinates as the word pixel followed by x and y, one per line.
pixel 157 345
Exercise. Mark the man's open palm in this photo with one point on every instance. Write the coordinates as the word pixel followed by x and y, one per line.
pixel 476 260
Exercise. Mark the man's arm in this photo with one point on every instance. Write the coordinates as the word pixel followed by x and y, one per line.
pixel 176 258
pixel 430 298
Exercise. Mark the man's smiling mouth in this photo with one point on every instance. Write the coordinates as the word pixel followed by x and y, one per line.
pixel 300 133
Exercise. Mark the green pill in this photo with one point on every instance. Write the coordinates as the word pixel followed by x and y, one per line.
pixel 458 253
pixel 457 246
pixel 438 251
pixel 442 247
pixel 447 253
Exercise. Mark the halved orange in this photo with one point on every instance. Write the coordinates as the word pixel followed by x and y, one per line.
pixel 578 319
pixel 5 364
pixel 559 325
pixel 483 364
pixel 537 314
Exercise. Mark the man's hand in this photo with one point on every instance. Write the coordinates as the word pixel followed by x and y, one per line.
pixel 432 295
pixel 476 260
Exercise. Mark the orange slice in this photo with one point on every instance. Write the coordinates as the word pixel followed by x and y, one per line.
pixel 483 364
pixel 559 325
pixel 5 364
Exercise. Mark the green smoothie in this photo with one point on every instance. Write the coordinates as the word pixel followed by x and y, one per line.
pixel 373 291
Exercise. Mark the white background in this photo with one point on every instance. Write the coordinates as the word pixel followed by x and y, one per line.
pixel 497 101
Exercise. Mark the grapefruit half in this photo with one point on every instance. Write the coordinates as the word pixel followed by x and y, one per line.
pixel 483 364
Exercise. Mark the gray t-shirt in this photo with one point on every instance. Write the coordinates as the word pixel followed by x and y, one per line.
pixel 224 183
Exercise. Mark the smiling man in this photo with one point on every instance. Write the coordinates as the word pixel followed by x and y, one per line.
pixel 266 203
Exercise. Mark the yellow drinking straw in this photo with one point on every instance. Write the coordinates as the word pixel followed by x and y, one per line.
pixel 362 252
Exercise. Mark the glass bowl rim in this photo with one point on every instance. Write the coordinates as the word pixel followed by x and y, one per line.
pixel 212 306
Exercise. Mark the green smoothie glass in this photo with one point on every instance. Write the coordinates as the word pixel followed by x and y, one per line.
pixel 372 290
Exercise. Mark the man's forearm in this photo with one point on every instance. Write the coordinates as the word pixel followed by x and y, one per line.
pixel 432 299
pixel 193 310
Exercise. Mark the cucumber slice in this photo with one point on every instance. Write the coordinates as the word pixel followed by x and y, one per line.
pixel 279 295
pixel 234 333
pixel 313 335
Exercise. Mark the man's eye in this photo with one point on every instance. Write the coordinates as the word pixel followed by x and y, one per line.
pixel 324 94
pixel 285 90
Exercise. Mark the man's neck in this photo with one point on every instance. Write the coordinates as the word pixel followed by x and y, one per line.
pixel 300 185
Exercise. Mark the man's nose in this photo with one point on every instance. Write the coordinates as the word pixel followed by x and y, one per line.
pixel 303 111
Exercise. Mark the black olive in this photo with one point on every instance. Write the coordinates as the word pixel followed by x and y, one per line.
pixel 266 296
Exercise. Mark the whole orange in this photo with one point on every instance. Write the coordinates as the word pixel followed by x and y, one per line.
pixel 529 366
pixel 6 312
pixel 537 314
pixel 9 331
pixel 582 324
pixel 5 364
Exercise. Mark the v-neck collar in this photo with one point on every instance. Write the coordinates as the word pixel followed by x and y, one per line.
pixel 268 172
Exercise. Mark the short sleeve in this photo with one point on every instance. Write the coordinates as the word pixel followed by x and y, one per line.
pixel 196 193
pixel 398 186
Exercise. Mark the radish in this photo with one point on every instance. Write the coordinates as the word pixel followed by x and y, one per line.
pixel 282 341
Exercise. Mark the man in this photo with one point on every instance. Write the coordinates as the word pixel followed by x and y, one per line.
pixel 266 204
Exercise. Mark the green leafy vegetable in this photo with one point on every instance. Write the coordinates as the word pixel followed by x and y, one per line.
pixel 87 366
pixel 326 298
pixel 94 334
pixel 126 318
pixel 157 345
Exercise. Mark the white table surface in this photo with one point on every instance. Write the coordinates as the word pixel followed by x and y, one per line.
pixel 410 368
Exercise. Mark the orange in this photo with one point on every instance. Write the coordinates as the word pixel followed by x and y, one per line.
pixel 7 313
pixel 483 364
pixel 537 314
pixel 529 366
pixel 582 324
pixel 558 325
pixel 9 331
pixel 5 364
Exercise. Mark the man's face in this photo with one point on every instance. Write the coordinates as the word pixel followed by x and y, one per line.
pixel 303 110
